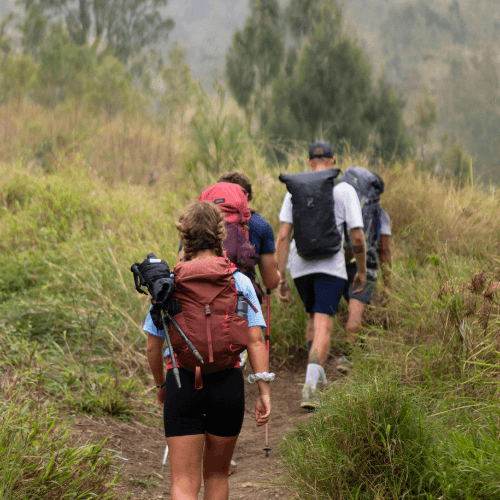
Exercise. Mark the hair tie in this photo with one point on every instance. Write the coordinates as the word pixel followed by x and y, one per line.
pixel 205 245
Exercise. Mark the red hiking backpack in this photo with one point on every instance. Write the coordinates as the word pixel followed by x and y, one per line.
pixel 232 200
pixel 206 290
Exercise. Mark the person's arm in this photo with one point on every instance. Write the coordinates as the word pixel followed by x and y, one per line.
pixel 258 361
pixel 268 267
pixel 283 248
pixel 384 253
pixel 358 244
pixel 155 360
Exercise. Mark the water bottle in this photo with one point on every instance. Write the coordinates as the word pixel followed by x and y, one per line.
pixel 242 306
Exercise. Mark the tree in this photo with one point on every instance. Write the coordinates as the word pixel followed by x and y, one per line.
pixel 122 28
pixel 389 135
pixel 255 56
pixel 17 77
pixel 427 116
pixel 178 89
pixel 219 139
pixel 328 89
pixel 325 91
pixel 301 16
pixel 33 29
pixel 65 68
pixel 5 39
pixel 470 108
pixel 110 91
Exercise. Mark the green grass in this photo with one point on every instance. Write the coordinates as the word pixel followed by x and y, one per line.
pixel 368 441
pixel 40 458
pixel 71 318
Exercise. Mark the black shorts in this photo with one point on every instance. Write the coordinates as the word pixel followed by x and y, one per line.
pixel 320 293
pixel 366 295
pixel 218 408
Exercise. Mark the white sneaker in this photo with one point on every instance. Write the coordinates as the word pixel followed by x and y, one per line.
pixel 311 399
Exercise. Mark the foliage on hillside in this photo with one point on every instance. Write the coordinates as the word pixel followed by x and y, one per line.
pixel 71 319
pixel 319 87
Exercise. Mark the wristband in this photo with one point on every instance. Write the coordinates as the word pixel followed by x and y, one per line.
pixel 265 377
pixel 161 385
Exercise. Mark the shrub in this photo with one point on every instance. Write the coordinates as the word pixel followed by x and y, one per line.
pixel 368 441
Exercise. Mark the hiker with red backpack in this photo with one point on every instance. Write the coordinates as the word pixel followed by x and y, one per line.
pixel 256 229
pixel 217 308
pixel 260 234
pixel 314 212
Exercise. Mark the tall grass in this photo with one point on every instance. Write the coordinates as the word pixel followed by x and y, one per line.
pixel 78 206
pixel 40 458
pixel 368 442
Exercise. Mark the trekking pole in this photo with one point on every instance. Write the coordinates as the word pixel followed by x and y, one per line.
pixel 267 449
pixel 172 354
pixel 164 459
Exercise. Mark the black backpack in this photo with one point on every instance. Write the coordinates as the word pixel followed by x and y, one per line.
pixel 314 226
pixel 369 187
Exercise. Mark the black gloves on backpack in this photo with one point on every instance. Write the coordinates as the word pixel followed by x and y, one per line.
pixel 155 274
pixel 173 309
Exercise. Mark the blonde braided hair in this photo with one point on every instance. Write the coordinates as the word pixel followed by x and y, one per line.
pixel 202 226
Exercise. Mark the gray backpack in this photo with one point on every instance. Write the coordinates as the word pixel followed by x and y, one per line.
pixel 369 187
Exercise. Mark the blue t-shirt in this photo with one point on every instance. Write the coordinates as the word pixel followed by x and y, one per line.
pixel 244 285
pixel 260 234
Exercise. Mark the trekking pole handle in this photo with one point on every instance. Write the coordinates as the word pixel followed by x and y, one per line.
pixel 172 354
pixel 188 342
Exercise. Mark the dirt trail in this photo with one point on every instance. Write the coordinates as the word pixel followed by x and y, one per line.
pixel 143 446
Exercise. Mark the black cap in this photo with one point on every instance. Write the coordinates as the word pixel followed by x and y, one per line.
pixel 320 149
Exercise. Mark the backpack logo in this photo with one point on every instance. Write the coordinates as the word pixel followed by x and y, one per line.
pixel 219 200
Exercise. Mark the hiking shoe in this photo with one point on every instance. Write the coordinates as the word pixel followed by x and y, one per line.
pixel 344 365
pixel 233 468
pixel 310 398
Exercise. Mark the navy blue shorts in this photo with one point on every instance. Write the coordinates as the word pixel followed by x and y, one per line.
pixel 366 295
pixel 320 293
pixel 218 408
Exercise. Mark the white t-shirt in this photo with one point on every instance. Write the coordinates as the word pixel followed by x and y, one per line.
pixel 348 210
pixel 385 223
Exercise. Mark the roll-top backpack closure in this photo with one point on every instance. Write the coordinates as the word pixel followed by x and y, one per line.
pixel 313 212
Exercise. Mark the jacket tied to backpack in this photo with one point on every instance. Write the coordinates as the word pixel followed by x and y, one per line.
pixel 206 290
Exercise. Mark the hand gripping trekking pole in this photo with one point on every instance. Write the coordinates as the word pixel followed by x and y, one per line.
pixel 267 449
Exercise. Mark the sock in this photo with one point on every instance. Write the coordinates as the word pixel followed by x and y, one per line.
pixel 309 345
pixel 314 373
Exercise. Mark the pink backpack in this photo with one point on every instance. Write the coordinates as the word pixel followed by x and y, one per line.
pixel 232 200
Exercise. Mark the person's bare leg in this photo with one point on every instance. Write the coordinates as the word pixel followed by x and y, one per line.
pixel 186 454
pixel 323 324
pixel 318 354
pixel 218 453
pixel 310 331
pixel 355 319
